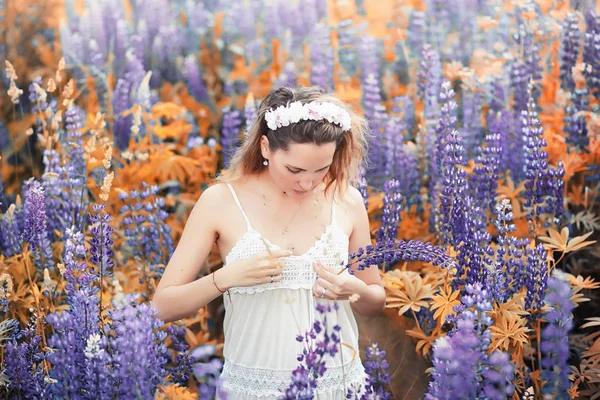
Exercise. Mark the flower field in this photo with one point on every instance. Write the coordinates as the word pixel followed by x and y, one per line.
pixel 482 187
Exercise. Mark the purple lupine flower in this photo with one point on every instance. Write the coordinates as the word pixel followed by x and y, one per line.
pixel 504 223
pixel 499 377
pixel 410 178
pixel 319 343
pixel 5 138
pixel 101 241
pixel 390 214
pixel 35 232
pixel 362 187
pixel 569 49
pixel 416 32
pixel 450 218
pixel 535 280
pixel 591 52
pixel 393 146
pixel 138 353
pixel 371 97
pixel 575 125
pixel 122 103
pixel 347 53
pixel 461 367
pixel 249 113
pixel 74 327
pixel 292 15
pixel 404 107
pixel 122 40
pixel 146 231
pixel 519 80
pixel 199 18
pixel 377 117
pixel 57 211
pixel 230 133
pixel 465 21
pixel 555 339
pixel 530 70
pixel 11 242
pixel 438 18
pixel 543 186
pixel 38 99
pixel 274 29
pixel 207 370
pixel 193 78
pixel 413 250
pixel 375 367
pixel 443 157
pixel 369 49
pixel 288 76
pixel 180 374
pixel 23 363
pixel 484 180
pixel 321 57
pixel 75 165
pixel 474 251
pixel 471 118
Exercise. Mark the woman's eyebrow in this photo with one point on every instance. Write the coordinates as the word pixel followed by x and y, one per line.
pixel 301 169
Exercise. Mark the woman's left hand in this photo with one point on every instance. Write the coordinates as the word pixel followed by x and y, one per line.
pixel 337 287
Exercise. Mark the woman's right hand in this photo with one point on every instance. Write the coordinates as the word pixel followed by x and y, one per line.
pixel 257 269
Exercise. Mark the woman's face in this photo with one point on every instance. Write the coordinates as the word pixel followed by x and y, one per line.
pixel 301 168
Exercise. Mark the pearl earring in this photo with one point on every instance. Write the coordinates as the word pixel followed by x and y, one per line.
pixel 266 162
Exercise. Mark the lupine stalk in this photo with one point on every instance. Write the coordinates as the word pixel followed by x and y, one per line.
pixel 321 57
pixel 35 232
pixel 461 367
pixel 390 214
pixel 569 49
pixel 230 133
pixel 319 344
pixel 536 280
pixel 391 252
pixel 377 379
pixel 555 340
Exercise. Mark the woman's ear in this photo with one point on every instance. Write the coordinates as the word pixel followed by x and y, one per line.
pixel 264 147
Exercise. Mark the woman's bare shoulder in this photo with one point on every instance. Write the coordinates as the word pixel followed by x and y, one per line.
pixel 352 199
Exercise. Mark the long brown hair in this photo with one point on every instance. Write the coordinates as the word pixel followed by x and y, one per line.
pixel 350 154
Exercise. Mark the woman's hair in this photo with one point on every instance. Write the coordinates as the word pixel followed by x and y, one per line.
pixel 350 153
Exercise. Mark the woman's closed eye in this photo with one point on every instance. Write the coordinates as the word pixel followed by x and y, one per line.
pixel 298 171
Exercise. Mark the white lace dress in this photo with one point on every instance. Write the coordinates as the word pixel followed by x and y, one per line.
pixel 262 322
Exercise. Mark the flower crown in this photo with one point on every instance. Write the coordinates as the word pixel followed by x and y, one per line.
pixel 296 111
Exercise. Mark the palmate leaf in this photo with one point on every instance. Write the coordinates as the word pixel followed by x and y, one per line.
pixel 561 242
pixel 165 166
pixel 508 331
pixel 444 303
pixel 589 220
pixel 424 342
pixel 174 392
pixel 413 296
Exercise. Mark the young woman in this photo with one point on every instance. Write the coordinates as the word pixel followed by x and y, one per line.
pixel 284 216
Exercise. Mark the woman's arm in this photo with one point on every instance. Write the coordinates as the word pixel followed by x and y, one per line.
pixel 372 295
pixel 179 294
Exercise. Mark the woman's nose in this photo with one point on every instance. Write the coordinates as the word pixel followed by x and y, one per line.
pixel 306 184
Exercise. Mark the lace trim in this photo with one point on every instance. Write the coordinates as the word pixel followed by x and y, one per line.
pixel 264 382
pixel 298 272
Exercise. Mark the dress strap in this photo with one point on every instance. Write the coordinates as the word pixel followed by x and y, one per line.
pixel 237 201
pixel 333 209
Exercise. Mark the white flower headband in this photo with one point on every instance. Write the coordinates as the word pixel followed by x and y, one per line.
pixel 296 111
